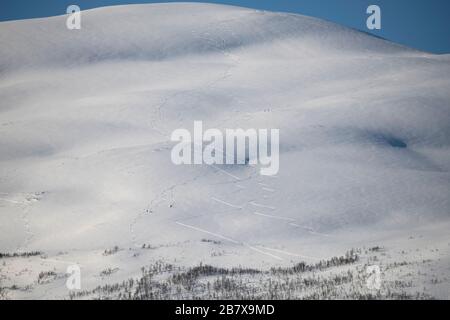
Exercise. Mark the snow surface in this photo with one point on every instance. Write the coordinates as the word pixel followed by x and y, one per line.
pixel 86 116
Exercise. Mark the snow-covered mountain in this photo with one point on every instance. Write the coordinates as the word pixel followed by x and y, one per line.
pixel 86 116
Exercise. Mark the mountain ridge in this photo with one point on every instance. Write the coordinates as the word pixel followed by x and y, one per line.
pixel 121 32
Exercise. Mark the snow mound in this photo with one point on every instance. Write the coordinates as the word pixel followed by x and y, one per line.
pixel 86 115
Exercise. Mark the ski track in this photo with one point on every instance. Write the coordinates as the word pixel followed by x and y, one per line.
pixel 160 198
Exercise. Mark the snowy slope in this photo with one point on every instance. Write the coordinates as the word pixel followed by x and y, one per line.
pixel 86 116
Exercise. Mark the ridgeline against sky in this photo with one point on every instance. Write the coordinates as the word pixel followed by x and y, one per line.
pixel 421 24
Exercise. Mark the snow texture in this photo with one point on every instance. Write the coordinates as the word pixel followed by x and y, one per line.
pixel 86 117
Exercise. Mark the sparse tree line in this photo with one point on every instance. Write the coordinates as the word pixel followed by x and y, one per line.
pixel 20 254
pixel 301 281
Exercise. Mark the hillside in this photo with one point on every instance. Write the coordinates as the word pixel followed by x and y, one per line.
pixel 86 117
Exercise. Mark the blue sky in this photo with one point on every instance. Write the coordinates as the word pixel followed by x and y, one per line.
pixel 422 24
